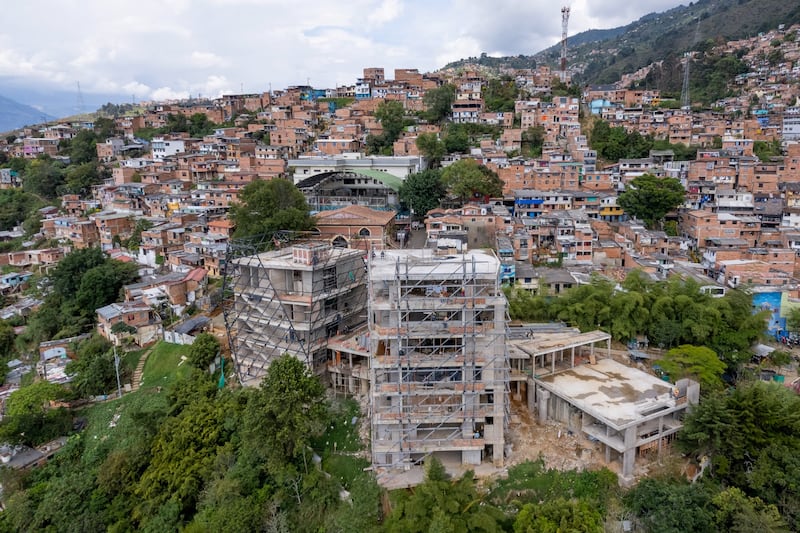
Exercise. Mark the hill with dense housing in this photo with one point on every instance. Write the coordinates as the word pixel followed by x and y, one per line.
pixel 602 56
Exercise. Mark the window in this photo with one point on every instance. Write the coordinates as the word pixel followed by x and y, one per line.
pixel 329 279
pixel 331 305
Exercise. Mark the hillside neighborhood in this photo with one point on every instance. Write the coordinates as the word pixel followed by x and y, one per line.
pixel 464 255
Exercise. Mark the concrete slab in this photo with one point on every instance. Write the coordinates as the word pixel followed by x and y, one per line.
pixel 610 391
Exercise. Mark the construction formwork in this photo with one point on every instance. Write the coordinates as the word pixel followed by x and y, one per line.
pixel 289 299
pixel 439 367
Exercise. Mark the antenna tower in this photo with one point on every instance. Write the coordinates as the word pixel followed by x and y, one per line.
pixel 80 99
pixel 564 22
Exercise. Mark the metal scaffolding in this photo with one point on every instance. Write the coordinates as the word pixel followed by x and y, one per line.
pixel 439 367
pixel 285 294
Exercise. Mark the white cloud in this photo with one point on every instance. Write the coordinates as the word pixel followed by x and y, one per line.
pixel 205 59
pixel 387 11
pixel 166 93
pixel 174 48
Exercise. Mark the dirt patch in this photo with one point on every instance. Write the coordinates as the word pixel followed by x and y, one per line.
pixel 560 448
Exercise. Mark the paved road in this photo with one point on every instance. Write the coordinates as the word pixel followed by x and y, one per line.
pixel 417 239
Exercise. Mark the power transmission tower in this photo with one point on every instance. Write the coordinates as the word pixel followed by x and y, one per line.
pixel 80 99
pixel 564 22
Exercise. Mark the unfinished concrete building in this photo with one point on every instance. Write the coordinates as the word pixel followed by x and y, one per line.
pixel 439 368
pixel 291 300
pixel 629 412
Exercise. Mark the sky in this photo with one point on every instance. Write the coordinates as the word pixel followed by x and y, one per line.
pixel 166 49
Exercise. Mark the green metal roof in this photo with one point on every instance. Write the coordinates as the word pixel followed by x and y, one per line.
pixel 391 181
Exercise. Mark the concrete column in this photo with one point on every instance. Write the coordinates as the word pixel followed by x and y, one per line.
pixel 629 457
pixel 530 385
pixel 543 397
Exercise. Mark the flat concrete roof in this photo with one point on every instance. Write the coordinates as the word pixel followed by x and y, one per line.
pixel 422 263
pixel 540 344
pixel 610 391
pixel 283 259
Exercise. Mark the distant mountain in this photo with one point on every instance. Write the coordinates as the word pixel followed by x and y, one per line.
pixel 14 115
pixel 602 56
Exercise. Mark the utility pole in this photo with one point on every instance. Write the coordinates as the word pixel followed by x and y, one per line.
pixel 116 368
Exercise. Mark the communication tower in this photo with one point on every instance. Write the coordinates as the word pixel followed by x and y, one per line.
pixel 564 22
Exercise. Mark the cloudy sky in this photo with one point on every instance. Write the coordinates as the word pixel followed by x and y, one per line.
pixel 161 49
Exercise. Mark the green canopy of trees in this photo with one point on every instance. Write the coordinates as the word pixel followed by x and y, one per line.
pixel 15 206
pixel 439 103
pixel 751 435
pixel 613 144
pixel 203 351
pixel 391 115
pixel 422 191
pixel 43 177
pixel 696 362
pixel 442 504
pixel 670 313
pixel 500 95
pixel 82 148
pixel 28 418
pixel 83 281
pixel 650 198
pixel 93 370
pixel 269 206
pixel 466 180
pixel 431 148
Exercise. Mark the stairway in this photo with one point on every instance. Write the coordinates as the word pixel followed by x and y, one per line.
pixel 137 374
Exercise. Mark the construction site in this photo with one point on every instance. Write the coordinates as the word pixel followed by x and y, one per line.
pixel 439 369
pixel 290 300
pixel 421 337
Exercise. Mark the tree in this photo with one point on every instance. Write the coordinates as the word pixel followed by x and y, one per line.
pixel 200 125
pixel 80 178
pixel 66 277
pixel 93 372
pixel 101 285
pixel 456 139
pixel 751 435
pixel 28 417
pixel 203 351
pixel 650 198
pixel 466 179
pixel 696 362
pixel 391 114
pixel 439 103
pixel 500 95
pixel 558 516
pixel 533 140
pixel 738 513
pixel 442 504
pixel 185 451
pixel 43 177
pixel 269 206
pixel 82 147
pixel 105 127
pixel 286 412
pixel 15 207
pixel 135 240
pixel 671 506
pixel 431 148
pixel 422 191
